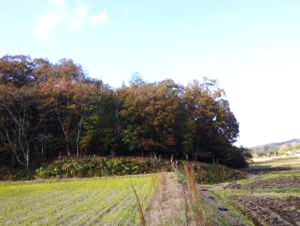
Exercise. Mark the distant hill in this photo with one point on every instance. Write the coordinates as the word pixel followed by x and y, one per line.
pixel 277 144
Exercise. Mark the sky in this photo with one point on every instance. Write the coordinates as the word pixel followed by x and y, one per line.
pixel 251 47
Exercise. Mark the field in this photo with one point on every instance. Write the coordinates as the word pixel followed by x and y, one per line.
pixel 270 195
pixel 99 201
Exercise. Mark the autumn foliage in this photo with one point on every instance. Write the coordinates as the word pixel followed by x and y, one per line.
pixel 52 110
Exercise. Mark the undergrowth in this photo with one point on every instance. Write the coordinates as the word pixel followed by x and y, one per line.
pixel 215 173
pixel 102 166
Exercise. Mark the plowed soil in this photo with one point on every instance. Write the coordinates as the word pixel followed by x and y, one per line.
pixel 272 211
pixel 278 182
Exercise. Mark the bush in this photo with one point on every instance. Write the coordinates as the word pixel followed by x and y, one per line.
pixel 215 173
pixel 235 158
pixel 102 166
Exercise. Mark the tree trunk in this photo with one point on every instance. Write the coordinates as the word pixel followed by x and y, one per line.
pixel 78 136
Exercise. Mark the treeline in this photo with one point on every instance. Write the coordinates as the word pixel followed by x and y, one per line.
pixel 291 149
pixel 52 110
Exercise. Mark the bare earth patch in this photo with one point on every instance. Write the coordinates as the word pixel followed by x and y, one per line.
pixel 271 198
pixel 272 211
pixel 278 182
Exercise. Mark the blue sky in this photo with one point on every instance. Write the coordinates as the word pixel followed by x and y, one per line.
pixel 251 47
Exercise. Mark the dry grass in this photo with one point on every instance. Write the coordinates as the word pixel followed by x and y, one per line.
pixel 168 204
pixel 198 210
pixel 176 203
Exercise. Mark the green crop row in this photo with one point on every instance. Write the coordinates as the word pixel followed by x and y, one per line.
pixel 98 201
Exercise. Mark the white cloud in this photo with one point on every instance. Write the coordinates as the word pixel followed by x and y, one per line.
pixel 79 15
pixel 45 24
pixel 276 52
pixel 99 19
pixel 50 20
pixel 58 13
pixel 57 3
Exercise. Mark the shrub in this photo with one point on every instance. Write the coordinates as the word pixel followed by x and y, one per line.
pixel 102 166
pixel 215 173
pixel 235 158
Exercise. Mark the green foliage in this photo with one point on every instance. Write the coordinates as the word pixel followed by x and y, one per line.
pixel 181 178
pixel 215 173
pixel 235 157
pixel 101 166
pixel 136 80
pixel 16 174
